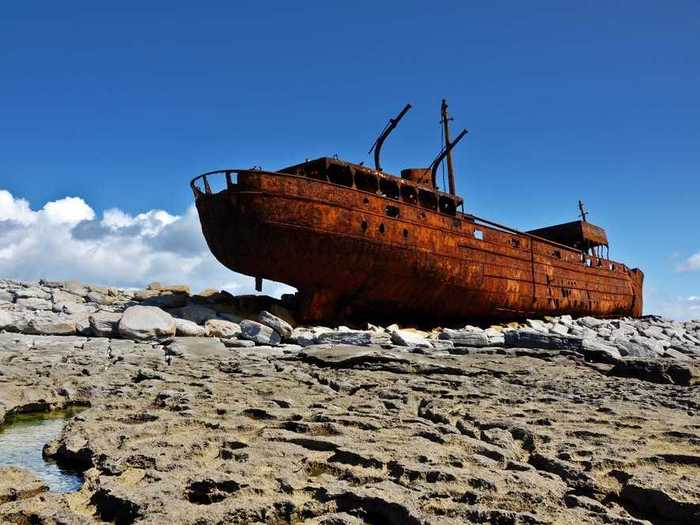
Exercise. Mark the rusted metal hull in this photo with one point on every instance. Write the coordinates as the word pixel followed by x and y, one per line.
pixel 356 254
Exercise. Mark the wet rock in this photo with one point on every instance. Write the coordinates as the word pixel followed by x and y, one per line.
pixel 282 327
pixel 146 322
pixel 259 333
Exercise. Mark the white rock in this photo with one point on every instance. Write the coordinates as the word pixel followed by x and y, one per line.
pixel 259 333
pixel 6 296
pixel 469 336
pixel 282 327
pixel 560 329
pixel 538 325
pixel 409 337
pixel 187 328
pixel 146 322
pixel 496 337
pixel 221 328
pixel 590 322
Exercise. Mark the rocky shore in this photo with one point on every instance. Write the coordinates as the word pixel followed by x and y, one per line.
pixel 210 408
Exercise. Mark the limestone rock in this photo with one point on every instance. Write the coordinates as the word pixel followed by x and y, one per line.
pixel 658 371
pixel 18 483
pixel 146 322
pixel 469 336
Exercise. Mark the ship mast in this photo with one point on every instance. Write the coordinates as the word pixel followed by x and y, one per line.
pixel 446 129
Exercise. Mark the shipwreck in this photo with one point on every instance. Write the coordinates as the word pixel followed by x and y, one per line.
pixel 360 243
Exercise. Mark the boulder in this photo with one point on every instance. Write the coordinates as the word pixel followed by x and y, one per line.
pixel 528 338
pixel 259 333
pixel 196 313
pixel 353 337
pixel 51 325
pixel 13 321
pixel 658 371
pixel 146 322
pixel 279 325
pixel 469 336
pixel 409 337
pixel 105 324
pixel 186 328
pixel 31 292
pixel 222 328
pixel 597 351
pixel 34 303
pixel 639 346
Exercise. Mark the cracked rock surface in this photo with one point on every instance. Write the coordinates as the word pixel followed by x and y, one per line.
pixel 416 428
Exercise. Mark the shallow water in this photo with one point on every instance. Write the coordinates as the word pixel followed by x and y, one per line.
pixel 22 438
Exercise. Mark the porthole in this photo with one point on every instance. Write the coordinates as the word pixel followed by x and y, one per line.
pixel 382 229
pixel 478 234
pixel 405 233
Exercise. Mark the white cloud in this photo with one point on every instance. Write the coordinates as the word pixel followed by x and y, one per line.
pixel 691 264
pixel 672 307
pixel 65 240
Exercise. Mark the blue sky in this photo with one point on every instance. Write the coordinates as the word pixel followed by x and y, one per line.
pixel 121 105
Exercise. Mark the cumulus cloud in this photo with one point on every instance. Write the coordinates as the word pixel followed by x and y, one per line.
pixel 691 264
pixel 65 239
pixel 673 307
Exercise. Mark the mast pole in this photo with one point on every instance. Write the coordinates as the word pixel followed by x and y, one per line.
pixel 446 126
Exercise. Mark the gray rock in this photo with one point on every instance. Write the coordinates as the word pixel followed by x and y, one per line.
pixel 34 303
pixel 187 328
pixel 639 347
pixel 308 336
pixel 196 313
pixel 259 333
pixel 13 321
pixel 282 327
pixel 658 371
pixel 590 322
pixel 353 337
pixel 528 338
pixel 146 322
pixel 238 343
pixel 221 328
pixel 32 292
pixel 559 329
pixel 105 324
pixel 469 336
pixel 99 298
pixel 594 350
pixel 51 325
pixel 6 296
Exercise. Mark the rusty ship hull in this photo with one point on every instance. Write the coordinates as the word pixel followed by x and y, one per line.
pixel 357 249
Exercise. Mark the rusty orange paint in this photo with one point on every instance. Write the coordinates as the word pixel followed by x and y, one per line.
pixel 361 244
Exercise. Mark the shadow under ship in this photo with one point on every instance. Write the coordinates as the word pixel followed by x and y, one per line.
pixel 359 243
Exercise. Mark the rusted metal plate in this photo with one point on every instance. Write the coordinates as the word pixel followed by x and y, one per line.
pixel 358 243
